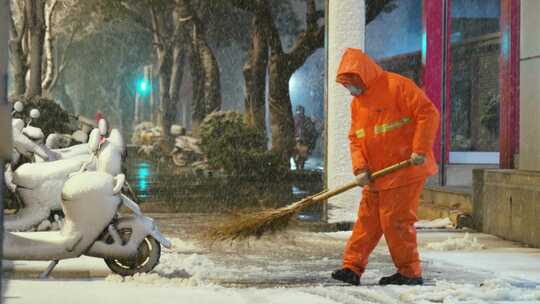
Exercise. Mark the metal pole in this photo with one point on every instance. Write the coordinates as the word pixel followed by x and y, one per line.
pixel 148 78
pixel 5 117
pixel 324 211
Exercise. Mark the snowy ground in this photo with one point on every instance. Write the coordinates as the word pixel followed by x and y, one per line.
pixel 295 268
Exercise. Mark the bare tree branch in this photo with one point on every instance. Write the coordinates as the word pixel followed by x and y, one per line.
pixel 305 46
pixel 48 46
pixel 62 61
pixel 375 7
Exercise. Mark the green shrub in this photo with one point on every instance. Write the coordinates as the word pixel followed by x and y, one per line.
pixel 240 151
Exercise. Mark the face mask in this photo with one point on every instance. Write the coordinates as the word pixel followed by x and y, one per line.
pixel 354 90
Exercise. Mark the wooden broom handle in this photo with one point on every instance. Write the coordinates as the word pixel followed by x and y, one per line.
pixel 349 186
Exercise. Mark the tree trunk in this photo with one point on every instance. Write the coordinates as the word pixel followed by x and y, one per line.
pixel 205 69
pixel 164 72
pixel 36 25
pixel 169 110
pixel 162 24
pixel 255 76
pixel 18 57
pixel 212 85
pixel 281 115
pixel 206 79
pixel 197 88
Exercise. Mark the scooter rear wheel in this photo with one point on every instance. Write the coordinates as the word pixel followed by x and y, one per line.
pixel 147 258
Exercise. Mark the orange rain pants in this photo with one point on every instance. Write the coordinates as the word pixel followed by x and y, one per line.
pixel 391 213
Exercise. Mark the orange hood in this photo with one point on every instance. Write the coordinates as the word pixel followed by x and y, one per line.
pixel 356 62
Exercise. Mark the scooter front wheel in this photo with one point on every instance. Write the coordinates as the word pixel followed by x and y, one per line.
pixel 147 258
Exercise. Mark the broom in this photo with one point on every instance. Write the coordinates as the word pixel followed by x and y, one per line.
pixel 243 226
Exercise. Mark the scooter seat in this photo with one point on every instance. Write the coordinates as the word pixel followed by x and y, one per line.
pixel 32 175
pixel 70 152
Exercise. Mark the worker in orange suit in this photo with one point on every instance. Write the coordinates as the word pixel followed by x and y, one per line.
pixel 392 120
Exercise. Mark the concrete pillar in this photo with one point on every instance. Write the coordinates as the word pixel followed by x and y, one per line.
pixel 529 146
pixel 346 27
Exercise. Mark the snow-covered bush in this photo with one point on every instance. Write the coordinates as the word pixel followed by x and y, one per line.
pixel 230 145
pixel 52 119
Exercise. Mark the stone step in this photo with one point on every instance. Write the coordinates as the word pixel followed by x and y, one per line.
pixel 452 202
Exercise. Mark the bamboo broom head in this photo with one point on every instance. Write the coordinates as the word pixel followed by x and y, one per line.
pixel 245 225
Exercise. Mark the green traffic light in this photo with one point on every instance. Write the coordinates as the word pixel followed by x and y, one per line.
pixel 143 87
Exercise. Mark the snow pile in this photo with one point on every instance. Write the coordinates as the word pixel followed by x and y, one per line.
pixel 437 223
pixel 465 243
pixel 340 235
pixel 176 268
pixel 488 292
pixel 177 130
pixel 179 245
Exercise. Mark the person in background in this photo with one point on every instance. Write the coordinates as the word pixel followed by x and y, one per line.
pixel 305 135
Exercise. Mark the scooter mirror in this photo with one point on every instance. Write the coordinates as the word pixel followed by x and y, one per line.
pixel 103 128
pixel 18 107
pixel 34 114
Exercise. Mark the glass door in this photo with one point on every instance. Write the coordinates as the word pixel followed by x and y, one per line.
pixel 474 103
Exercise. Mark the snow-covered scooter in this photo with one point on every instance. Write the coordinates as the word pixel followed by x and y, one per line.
pixel 93 227
pixel 38 185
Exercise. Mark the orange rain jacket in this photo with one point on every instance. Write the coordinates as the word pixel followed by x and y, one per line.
pixel 390 120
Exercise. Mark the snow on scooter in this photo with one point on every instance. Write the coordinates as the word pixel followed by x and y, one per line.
pixel 38 185
pixel 93 227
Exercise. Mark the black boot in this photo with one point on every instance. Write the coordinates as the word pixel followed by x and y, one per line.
pixel 346 275
pixel 398 279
